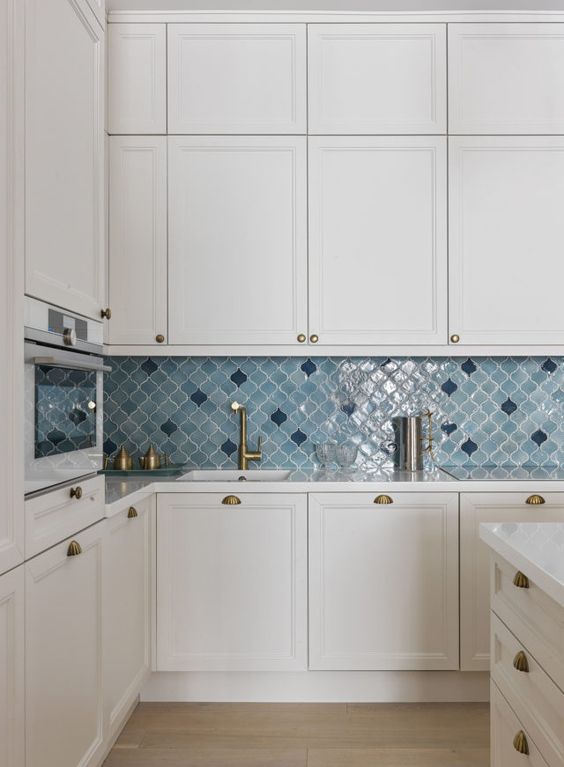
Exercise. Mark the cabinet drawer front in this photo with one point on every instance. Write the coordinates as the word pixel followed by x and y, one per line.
pixel 532 616
pixel 532 694
pixel 51 517
pixel 505 726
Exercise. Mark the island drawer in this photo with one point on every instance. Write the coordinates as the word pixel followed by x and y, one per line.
pixel 531 615
pixel 506 728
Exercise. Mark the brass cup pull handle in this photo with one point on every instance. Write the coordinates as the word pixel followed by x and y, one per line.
pixel 521 581
pixel 76 492
pixel 535 500
pixel 106 314
pixel 383 500
pixel 231 500
pixel 132 513
pixel 74 549
pixel 520 662
pixel 520 743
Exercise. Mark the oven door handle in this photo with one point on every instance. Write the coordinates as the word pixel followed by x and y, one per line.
pixel 54 363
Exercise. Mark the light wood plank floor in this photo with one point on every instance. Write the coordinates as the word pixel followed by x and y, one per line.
pixel 304 735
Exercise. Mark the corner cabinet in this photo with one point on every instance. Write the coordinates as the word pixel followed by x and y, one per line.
pixel 383 578
pixel 231 582
pixel 64 166
pixel 12 717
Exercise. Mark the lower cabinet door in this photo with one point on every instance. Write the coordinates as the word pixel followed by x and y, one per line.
pixel 231 582
pixel 476 508
pixel 505 729
pixel 383 580
pixel 127 625
pixel 12 668
pixel 64 652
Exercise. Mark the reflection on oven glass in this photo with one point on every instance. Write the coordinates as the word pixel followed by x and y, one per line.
pixel 65 410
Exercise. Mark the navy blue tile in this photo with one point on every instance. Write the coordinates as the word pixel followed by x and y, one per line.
pixel 549 366
pixel 149 366
pixel 109 446
pixel 309 367
pixel 238 377
pixel 508 406
pixel 199 397
pixel 348 408
pixel 449 428
pixel 298 437
pixel 469 447
pixel 539 437
pixel 279 417
pixel 469 367
pixel 449 387
pixel 229 447
pixel 169 427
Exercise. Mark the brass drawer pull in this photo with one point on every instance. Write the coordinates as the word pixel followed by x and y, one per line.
pixel 106 314
pixel 535 500
pixel 521 580
pixel 132 513
pixel 520 662
pixel 74 549
pixel 76 492
pixel 520 743
pixel 383 499
pixel 231 500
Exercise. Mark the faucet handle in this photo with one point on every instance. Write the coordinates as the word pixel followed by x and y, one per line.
pixel 259 444
pixel 235 406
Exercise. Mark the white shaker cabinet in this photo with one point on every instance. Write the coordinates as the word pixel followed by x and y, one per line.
pixel 377 78
pixel 137 78
pixel 378 240
pixel 506 78
pixel 138 240
pixel 237 78
pixel 64 232
pixel 237 240
pixel 127 611
pixel 506 230
pixel 12 745
pixel 231 582
pixel 64 704
pixel 476 508
pixel 383 579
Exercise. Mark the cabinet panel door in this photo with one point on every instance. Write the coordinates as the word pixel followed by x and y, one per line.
pixel 378 259
pixel 377 78
pixel 64 653
pixel 127 627
pixel 476 508
pixel 64 155
pixel 12 743
pixel 231 583
pixel 236 78
pixel 137 78
pixel 506 78
pixel 383 582
pixel 138 239
pixel 11 288
pixel 237 240
pixel 504 728
pixel 506 228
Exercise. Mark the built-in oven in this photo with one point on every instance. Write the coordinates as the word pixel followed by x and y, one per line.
pixel 63 396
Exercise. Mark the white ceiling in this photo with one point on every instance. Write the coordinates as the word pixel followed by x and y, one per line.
pixel 341 5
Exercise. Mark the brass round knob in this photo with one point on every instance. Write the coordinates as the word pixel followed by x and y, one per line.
pixel 231 500
pixel 521 581
pixel 535 500
pixel 132 513
pixel 383 500
pixel 76 492
pixel 454 338
pixel 520 662
pixel 314 339
pixel 302 338
pixel 106 314
pixel 160 338
pixel 74 549
pixel 520 743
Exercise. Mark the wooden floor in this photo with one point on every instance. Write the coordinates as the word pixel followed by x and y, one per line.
pixel 304 735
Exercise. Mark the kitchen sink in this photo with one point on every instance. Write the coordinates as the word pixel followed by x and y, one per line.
pixel 234 475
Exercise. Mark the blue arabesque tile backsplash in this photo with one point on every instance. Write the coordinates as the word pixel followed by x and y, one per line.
pixel 488 411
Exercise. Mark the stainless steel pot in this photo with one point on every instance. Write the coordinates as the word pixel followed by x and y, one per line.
pixel 410 444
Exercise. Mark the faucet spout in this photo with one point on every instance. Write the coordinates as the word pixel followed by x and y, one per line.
pixel 244 454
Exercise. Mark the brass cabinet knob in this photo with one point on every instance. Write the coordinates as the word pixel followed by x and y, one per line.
pixel 520 662
pixel 231 500
pixel 76 492
pixel 454 338
pixel 521 580
pixel 106 314
pixel 383 499
pixel 160 338
pixel 132 513
pixel 314 339
pixel 520 743
pixel 74 549
pixel 535 500
pixel 302 338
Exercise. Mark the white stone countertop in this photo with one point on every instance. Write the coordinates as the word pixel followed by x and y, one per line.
pixel 535 548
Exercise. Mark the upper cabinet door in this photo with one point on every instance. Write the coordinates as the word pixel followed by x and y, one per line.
pixel 137 78
pixel 506 233
pixel 237 78
pixel 378 259
pixel 64 155
pixel 377 78
pixel 237 240
pixel 506 78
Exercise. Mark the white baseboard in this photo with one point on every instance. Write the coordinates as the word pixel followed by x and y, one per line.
pixel 318 686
